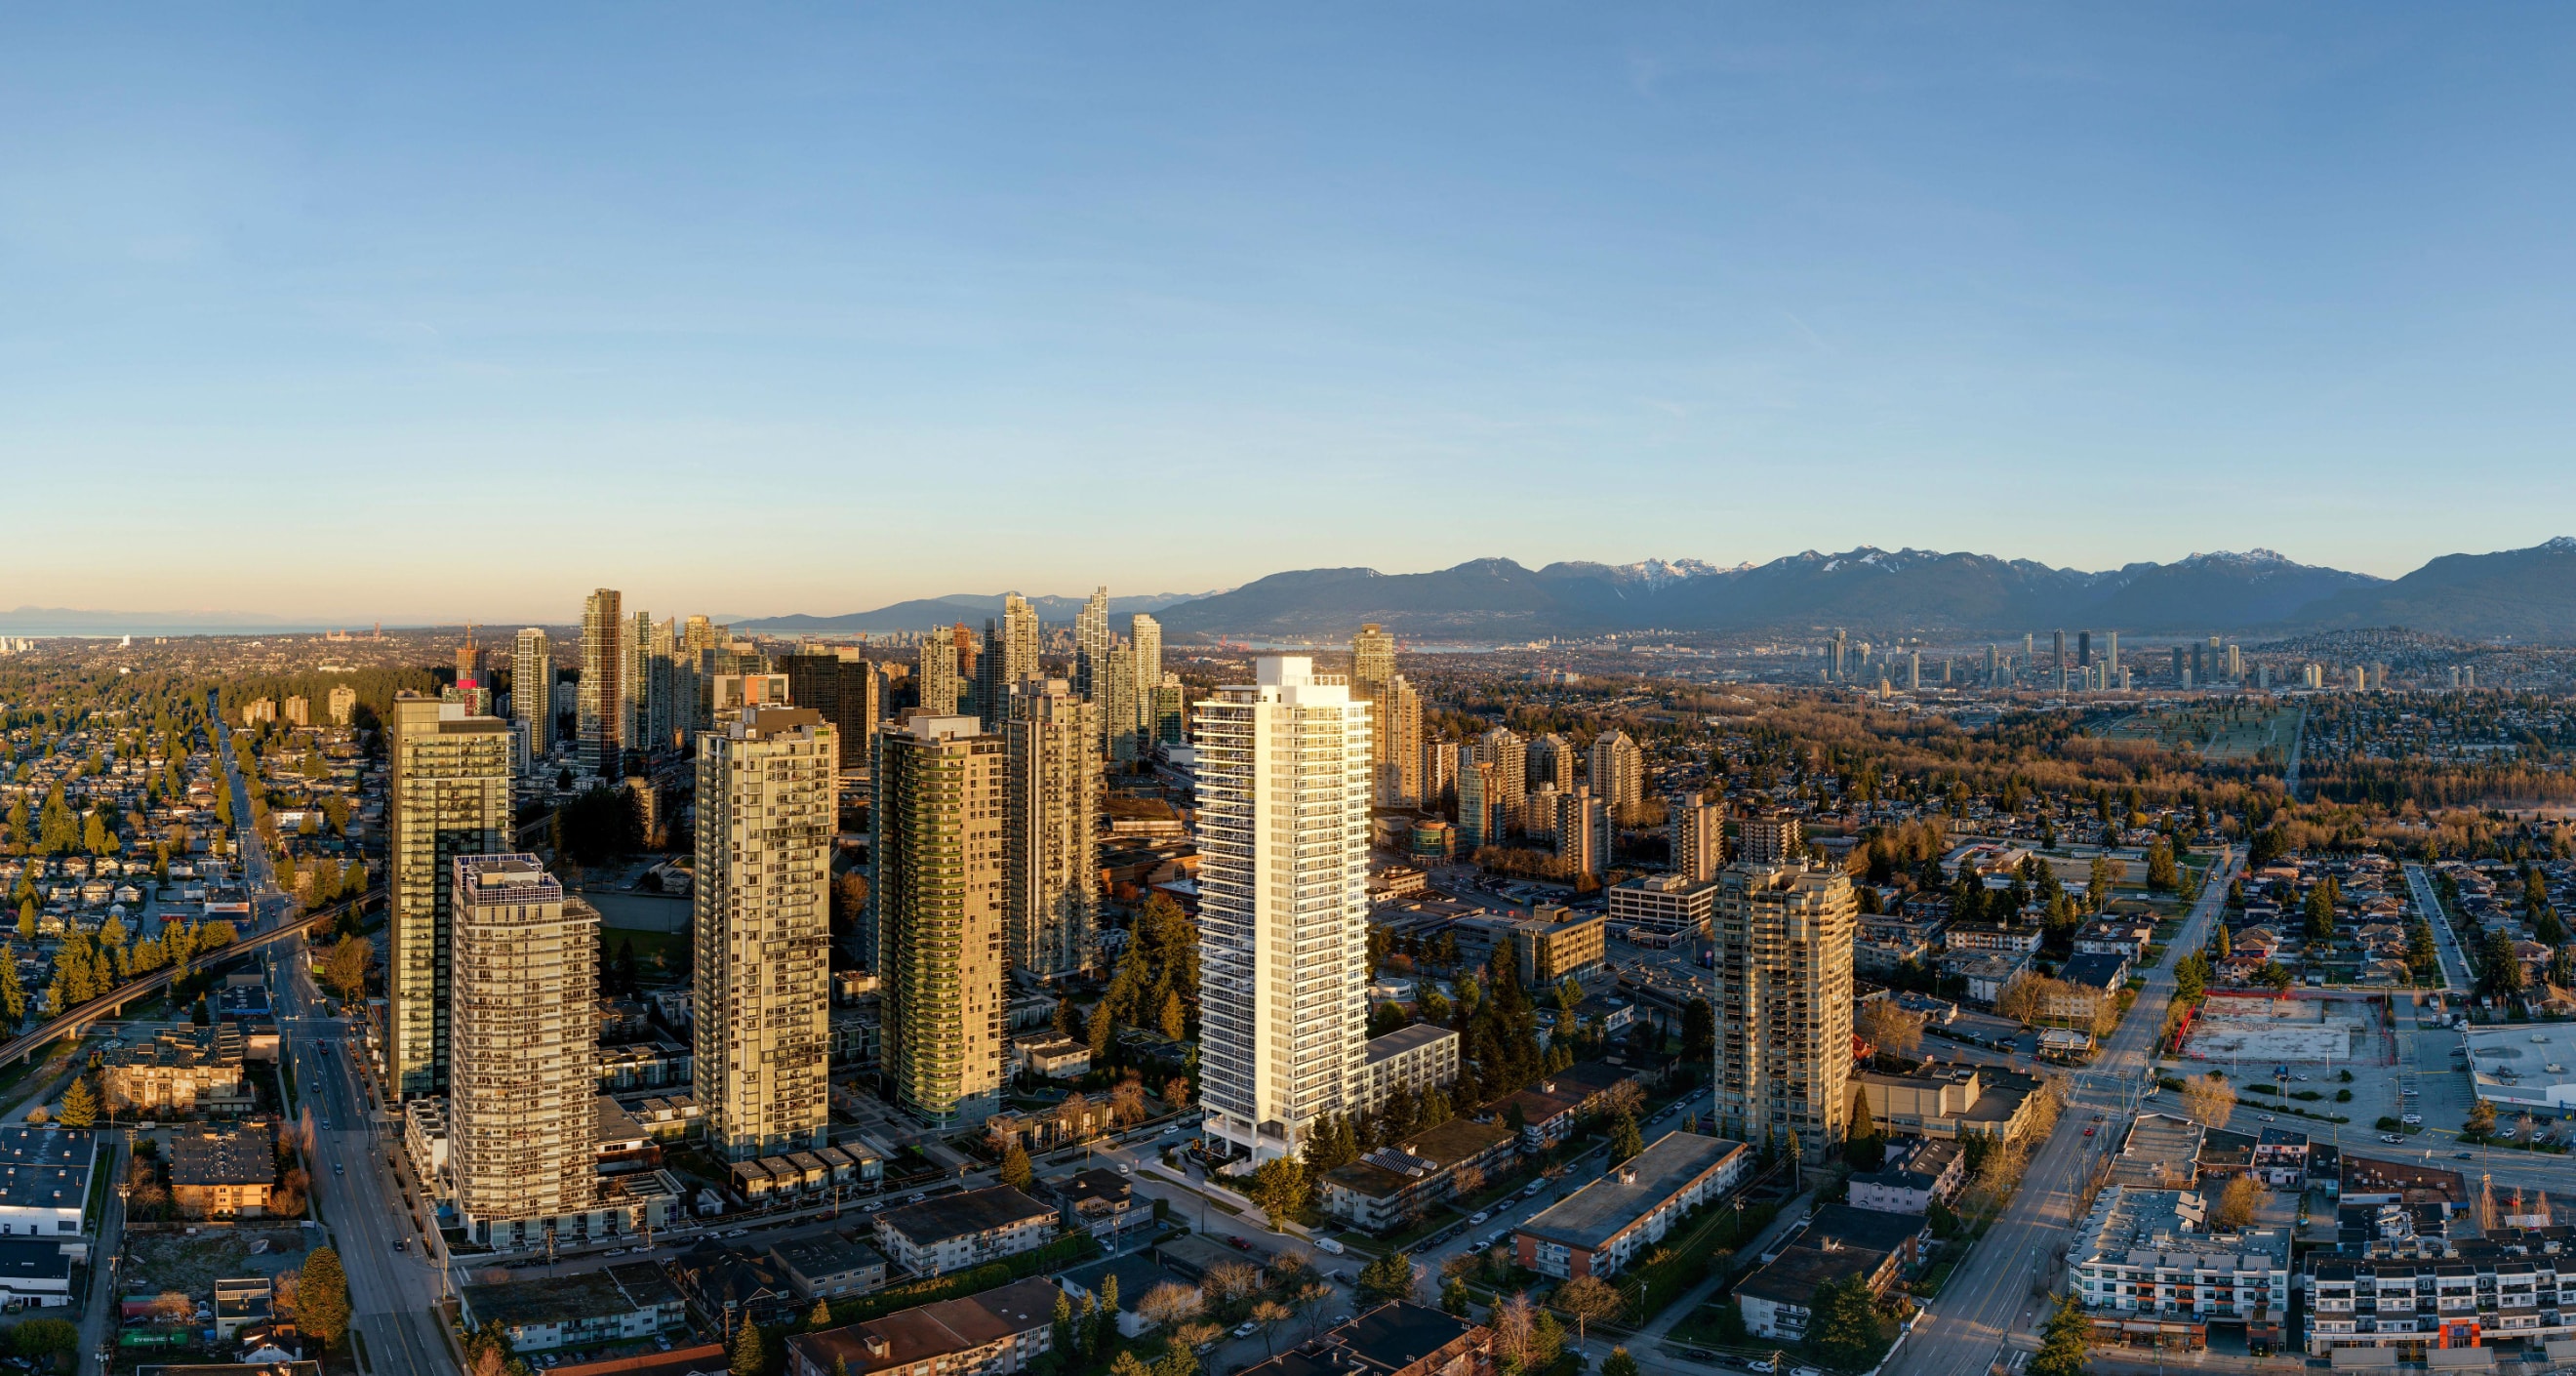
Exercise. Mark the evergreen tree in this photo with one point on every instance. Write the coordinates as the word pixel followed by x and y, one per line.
pixel 1625 1140
pixel 80 1106
pixel 2062 1341
pixel 1390 1277
pixel 747 1358
pixel 13 995
pixel 1619 1363
pixel 322 1297
pixel 1016 1170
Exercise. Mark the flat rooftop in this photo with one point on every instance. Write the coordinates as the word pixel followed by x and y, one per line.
pixel 1591 1216
pixel 2528 1063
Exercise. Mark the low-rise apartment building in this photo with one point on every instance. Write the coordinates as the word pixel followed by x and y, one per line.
pixel 995 1333
pixel 1399 1182
pixel 1417 1058
pixel 1662 903
pixel 964 1231
pixel 1596 1230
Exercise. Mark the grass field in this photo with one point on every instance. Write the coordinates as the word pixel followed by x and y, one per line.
pixel 2234 734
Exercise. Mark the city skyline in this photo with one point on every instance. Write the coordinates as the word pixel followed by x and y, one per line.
pixel 2147 265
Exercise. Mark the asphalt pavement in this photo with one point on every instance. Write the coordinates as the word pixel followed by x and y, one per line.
pixel 1998 1292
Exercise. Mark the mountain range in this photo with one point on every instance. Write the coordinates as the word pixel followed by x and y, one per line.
pixel 2524 594
pixel 922 613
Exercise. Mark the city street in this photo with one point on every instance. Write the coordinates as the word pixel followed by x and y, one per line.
pixel 1998 1290
pixel 390 1292
pixel 2428 905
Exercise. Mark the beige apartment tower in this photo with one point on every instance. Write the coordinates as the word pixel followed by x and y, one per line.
pixel 766 809
pixel 1372 658
pixel 1051 789
pixel 523 1081
pixel 1396 715
pixel 1783 937
pixel 1698 837
pixel 532 690
pixel 940 819
pixel 1618 771
pixel 449 796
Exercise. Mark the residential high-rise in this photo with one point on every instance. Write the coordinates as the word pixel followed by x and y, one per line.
pixel 1770 837
pixel 1783 939
pixel 936 673
pixel 767 806
pixel 842 686
pixel 1283 770
pixel 2235 664
pixel 2057 662
pixel 1476 807
pixel 635 681
pixel 1618 770
pixel 1051 790
pixel 1698 837
pixel 603 700
pixel 1551 760
pixel 2111 657
pixel 1914 671
pixel 1116 701
pixel 448 795
pixel 1020 639
pixel 344 703
pixel 1503 748
pixel 1994 667
pixel 1147 635
pixel 1090 645
pixel 1842 647
pixel 532 681
pixel 1395 711
pixel 2083 649
pixel 1439 773
pixel 1372 657
pixel 1170 703
pixel 940 819
pixel 523 1080
pixel 1582 830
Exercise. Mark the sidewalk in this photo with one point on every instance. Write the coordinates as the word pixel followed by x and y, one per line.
pixel 1792 1214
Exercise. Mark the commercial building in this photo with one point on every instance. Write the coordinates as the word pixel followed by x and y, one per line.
pixel 521 1117
pixel 766 810
pixel 1663 903
pixel 1599 1229
pixel 44 1179
pixel 1783 940
pixel 2146 1268
pixel 602 714
pixel 960 1232
pixel 1283 774
pixel 940 819
pixel 449 796
pixel 1951 1101
pixel 532 685
pixel 37 1274
pixel 1051 787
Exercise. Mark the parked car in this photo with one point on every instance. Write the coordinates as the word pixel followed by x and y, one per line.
pixel 2465 1155
pixel 1479 1216
pixel 2390 1137
pixel 1246 1329
pixel 2411 1119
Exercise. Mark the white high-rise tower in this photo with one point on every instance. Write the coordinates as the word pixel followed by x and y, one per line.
pixel 1283 787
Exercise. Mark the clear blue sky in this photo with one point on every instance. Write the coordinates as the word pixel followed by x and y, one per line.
pixel 427 311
